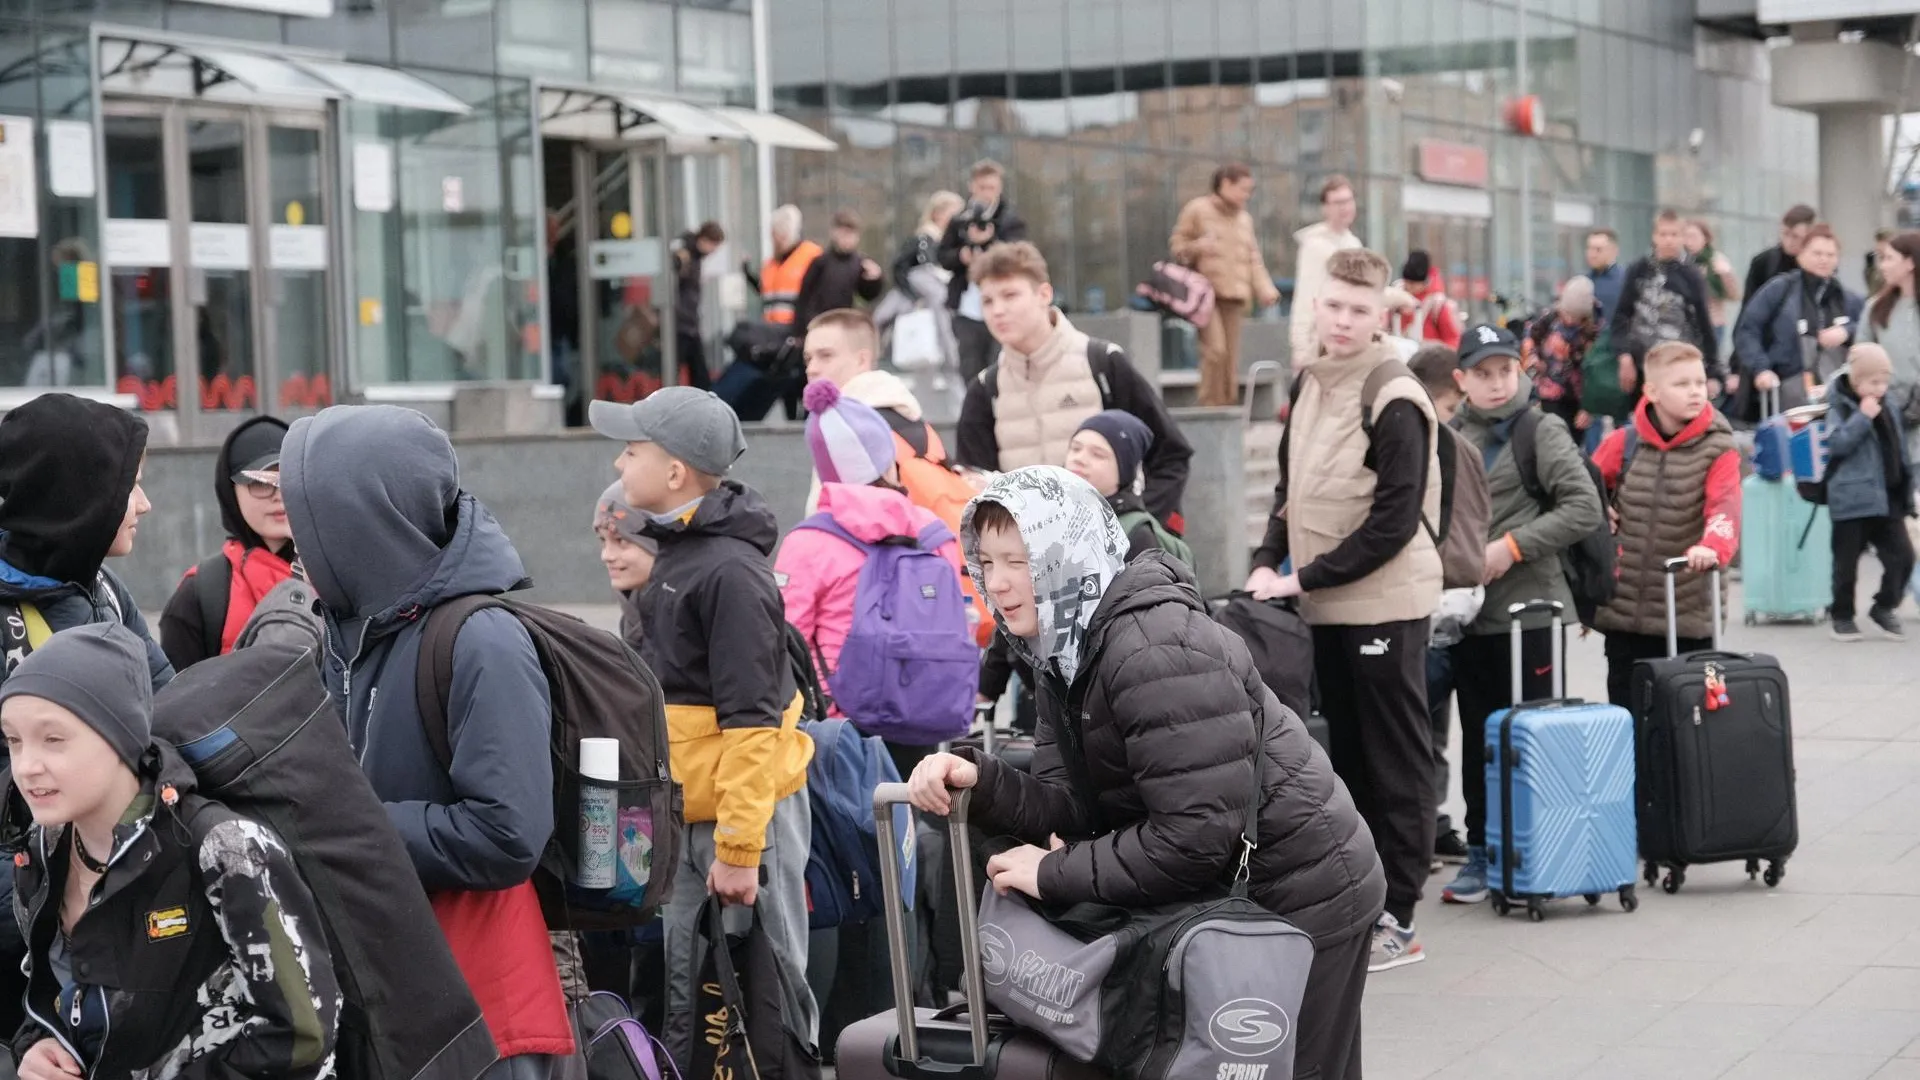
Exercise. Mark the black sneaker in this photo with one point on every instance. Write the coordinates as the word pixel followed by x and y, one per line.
pixel 1888 622
pixel 1846 630
pixel 1449 848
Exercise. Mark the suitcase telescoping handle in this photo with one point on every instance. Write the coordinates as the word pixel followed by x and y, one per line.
pixel 1520 611
pixel 1673 567
pixel 1769 403
pixel 960 843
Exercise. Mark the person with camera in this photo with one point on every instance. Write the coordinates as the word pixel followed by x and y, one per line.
pixel 987 220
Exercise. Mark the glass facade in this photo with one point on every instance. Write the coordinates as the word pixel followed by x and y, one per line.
pixel 1109 114
pixel 390 231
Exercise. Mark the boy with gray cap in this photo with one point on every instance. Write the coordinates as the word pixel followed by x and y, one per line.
pixel 711 626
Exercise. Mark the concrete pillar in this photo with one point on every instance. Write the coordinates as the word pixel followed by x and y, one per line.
pixel 1853 177
pixel 1850 86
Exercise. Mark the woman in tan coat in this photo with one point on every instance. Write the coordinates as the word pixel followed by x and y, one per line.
pixel 1215 236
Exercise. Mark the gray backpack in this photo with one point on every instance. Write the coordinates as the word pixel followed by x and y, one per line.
pixel 1194 989
pixel 288 615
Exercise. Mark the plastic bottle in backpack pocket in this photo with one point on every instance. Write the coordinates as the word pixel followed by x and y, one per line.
pixel 599 813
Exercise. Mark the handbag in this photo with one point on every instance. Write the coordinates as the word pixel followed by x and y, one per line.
pixel 916 341
pixel 1178 990
pixel 739 1007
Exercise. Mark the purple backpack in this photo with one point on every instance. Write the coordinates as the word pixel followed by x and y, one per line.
pixel 909 669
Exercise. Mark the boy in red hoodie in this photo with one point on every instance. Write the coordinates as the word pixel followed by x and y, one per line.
pixel 1675 479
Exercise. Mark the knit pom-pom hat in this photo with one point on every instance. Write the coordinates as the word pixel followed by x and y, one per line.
pixel 850 442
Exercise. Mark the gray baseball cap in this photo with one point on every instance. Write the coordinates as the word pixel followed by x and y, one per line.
pixel 690 424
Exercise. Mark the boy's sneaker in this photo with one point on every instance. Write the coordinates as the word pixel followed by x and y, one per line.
pixel 1845 630
pixel 1449 848
pixel 1392 946
pixel 1888 622
pixel 1469 886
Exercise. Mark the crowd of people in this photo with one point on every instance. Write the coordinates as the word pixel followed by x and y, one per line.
pixel 1052 560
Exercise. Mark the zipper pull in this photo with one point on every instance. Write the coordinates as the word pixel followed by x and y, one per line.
pixel 856 884
pixel 78 1012
pixel 1696 716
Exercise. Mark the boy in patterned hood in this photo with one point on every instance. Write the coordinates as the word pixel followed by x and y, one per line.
pixel 1153 722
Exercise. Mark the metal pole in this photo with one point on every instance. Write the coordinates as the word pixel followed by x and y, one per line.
pixel 763 101
pixel 1526 157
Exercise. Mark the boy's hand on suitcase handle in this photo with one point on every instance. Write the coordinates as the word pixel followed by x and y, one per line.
pixel 930 786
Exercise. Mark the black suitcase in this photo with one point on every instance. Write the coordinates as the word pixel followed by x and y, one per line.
pixel 1715 758
pixel 960 1042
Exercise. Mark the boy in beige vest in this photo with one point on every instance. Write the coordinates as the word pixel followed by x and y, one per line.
pixel 1355 508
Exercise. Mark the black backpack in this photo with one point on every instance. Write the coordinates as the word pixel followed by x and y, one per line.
pixel 1589 564
pixel 600 688
pixel 264 742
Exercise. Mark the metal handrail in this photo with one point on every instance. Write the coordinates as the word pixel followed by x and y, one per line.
pixel 1253 386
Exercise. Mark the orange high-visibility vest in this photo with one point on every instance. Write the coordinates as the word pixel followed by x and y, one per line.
pixel 780 282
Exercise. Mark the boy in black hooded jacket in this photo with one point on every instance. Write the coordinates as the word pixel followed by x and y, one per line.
pixel 70 498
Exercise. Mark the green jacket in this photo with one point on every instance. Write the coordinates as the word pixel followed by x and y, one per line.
pixel 1541 534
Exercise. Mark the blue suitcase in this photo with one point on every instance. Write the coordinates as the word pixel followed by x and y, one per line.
pixel 1560 794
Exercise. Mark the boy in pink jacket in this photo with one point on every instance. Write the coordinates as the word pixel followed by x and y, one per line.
pixel 853 453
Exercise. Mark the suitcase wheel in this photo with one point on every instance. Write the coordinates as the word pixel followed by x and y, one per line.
pixel 1676 877
pixel 1775 871
pixel 1536 910
pixel 1593 899
pixel 1652 874
pixel 1753 869
pixel 1500 904
pixel 1628 901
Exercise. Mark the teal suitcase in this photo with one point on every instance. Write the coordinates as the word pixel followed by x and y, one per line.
pixel 1786 553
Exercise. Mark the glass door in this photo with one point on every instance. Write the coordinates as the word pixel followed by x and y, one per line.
pixel 296 265
pixel 220 260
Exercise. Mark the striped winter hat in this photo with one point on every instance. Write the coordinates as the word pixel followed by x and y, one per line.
pixel 611 514
pixel 850 442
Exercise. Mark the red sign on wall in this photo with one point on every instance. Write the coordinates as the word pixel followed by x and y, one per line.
pixel 1443 162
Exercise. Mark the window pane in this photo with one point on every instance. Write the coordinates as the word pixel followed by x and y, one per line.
pixel 70 229
pixel 543 37
pixel 141 295
pixel 633 43
pixel 716 55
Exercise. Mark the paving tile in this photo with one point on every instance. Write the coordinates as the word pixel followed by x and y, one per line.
pixel 1720 1025
pixel 1878 988
pixel 1803 985
pixel 1835 1030
pixel 1519 1055
pixel 1639 1062
pixel 1654 980
pixel 1899 1069
pixel 1763 1065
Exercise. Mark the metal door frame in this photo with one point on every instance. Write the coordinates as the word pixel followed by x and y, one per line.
pixel 651 160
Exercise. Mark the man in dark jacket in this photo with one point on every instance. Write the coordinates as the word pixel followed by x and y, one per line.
pixel 986 221
pixel 1173 720
pixel 1779 259
pixel 1800 321
pixel 386 534
pixel 1664 299
pixel 840 274
pixel 70 498
pixel 689 346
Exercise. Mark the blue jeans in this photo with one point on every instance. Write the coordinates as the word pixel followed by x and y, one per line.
pixel 1440 712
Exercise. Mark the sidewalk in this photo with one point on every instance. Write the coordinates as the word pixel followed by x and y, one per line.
pixel 1818 979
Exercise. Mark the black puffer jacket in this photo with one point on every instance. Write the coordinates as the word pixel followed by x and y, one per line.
pixel 1170 703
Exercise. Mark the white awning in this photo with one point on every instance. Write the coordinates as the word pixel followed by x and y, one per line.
pixel 584 113
pixel 385 86
pixel 222 73
pixel 772 129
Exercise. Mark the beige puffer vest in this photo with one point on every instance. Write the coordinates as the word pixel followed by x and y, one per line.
pixel 1330 492
pixel 1662 501
pixel 1043 399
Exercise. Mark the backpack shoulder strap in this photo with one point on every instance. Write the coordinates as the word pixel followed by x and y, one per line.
pixel 433 681
pixel 1627 446
pixel 913 431
pixel 1383 373
pixel 212 587
pixel 1100 358
pixel 823 522
pixel 934 535
pixel 990 378
pixel 1523 439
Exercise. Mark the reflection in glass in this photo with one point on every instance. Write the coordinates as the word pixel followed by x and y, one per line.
pixel 222 286
pixel 141 295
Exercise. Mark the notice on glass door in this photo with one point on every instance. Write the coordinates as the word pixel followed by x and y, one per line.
pixel 19 186
pixel 372 177
pixel 70 159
